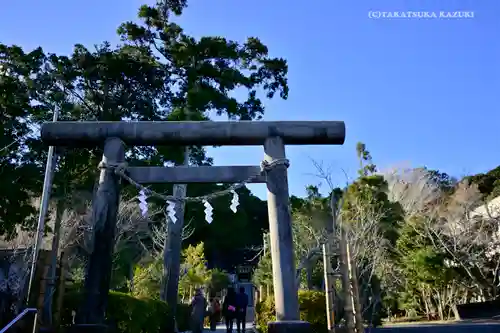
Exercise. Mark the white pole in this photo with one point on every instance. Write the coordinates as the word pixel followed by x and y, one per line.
pixel 329 287
pixel 44 207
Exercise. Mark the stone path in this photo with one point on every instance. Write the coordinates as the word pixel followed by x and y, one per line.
pixel 221 328
pixel 441 328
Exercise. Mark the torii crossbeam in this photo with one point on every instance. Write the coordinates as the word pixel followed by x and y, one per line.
pixel 185 133
pixel 272 135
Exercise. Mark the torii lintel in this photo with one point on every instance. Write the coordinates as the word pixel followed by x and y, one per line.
pixel 185 133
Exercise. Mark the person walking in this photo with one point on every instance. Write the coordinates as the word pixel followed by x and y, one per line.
pixel 241 310
pixel 198 308
pixel 214 313
pixel 229 308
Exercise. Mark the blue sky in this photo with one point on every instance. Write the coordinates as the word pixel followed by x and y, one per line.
pixel 418 92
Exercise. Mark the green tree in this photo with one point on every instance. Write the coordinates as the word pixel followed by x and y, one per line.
pixel 429 281
pixel 204 71
pixel 218 280
pixel 371 222
pixel 194 266
pixel 369 191
pixel 147 279
pixel 311 219
pixel 488 183
pixel 158 73
pixel 20 177
pixel 230 233
pixel 263 274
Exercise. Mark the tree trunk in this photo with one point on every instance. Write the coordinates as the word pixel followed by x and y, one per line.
pixel 440 306
pixel 131 278
pixel 358 318
pixel 346 283
pixel 309 276
pixel 61 289
pixel 455 311
pixel 426 304
pixel 54 254
pixel 44 262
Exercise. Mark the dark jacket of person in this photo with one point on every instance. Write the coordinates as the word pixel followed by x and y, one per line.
pixel 229 300
pixel 198 306
pixel 241 301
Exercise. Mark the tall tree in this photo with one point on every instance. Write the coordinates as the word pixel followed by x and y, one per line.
pixel 370 190
pixel 311 217
pixel 488 183
pixel 371 222
pixel 20 178
pixel 104 84
pixel 201 74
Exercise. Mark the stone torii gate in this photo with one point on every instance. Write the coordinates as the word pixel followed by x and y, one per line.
pixel 115 135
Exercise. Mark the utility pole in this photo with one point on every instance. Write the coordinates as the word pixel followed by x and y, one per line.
pixel 44 208
pixel 329 287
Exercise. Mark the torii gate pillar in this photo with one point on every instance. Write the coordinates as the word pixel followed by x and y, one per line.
pixel 273 135
pixel 280 228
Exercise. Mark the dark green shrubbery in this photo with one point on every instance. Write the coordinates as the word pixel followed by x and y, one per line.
pixel 183 317
pixel 128 314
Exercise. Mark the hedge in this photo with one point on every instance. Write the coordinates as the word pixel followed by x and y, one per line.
pixel 312 309
pixel 128 314
pixel 183 317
